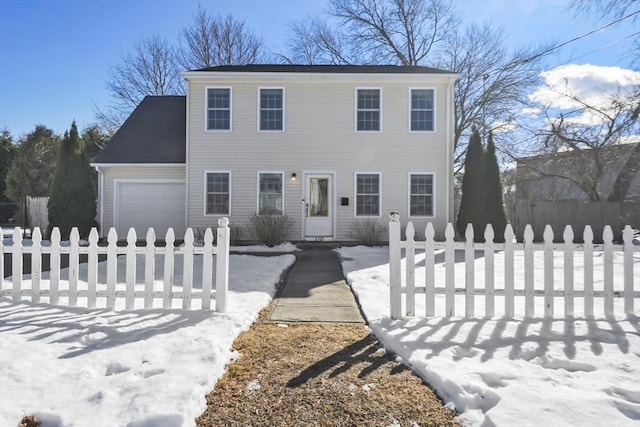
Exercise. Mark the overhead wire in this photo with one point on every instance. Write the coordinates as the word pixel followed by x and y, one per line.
pixel 556 47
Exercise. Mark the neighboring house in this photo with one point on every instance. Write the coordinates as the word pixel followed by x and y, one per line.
pixel 328 146
pixel 578 188
pixel 570 175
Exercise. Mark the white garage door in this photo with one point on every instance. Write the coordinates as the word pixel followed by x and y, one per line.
pixel 150 204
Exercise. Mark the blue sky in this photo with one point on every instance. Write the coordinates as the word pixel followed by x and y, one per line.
pixel 55 54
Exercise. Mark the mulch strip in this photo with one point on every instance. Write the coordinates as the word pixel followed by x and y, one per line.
pixel 319 374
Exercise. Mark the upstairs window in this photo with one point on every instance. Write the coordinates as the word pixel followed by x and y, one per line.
pixel 367 194
pixel 368 110
pixel 218 109
pixel 420 195
pixel 218 193
pixel 422 110
pixel 270 193
pixel 271 109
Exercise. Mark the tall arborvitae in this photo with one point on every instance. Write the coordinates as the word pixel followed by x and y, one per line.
pixel 472 204
pixel 493 192
pixel 72 200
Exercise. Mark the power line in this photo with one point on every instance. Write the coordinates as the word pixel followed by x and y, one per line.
pixel 600 48
pixel 551 49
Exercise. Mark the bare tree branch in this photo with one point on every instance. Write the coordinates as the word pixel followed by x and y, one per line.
pixel 217 40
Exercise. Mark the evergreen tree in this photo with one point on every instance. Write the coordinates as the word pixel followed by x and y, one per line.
pixel 472 205
pixel 72 199
pixel 7 151
pixel 33 165
pixel 495 213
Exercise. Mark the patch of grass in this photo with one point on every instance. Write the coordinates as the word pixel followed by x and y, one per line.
pixel 319 374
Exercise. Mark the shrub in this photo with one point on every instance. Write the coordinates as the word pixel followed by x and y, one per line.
pixel 367 231
pixel 234 234
pixel 269 230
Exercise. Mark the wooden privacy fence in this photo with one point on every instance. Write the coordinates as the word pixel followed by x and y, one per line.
pixel 120 270
pixel 457 267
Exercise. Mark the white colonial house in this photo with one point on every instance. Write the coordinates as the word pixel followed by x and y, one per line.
pixel 328 146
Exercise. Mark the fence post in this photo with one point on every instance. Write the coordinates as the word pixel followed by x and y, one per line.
pixel 627 238
pixel 548 271
pixel 16 264
pixel 112 267
pixel 222 264
pixel 450 273
pixel 588 271
pixel 607 237
pixel 207 269
pixel 509 235
pixel 429 270
pixel 130 290
pixel 489 272
pixel 469 274
pixel 395 275
pixel 568 271
pixel 169 253
pixel 410 269
pixel 92 268
pixel 528 272
pixel 36 264
pixel 54 262
pixel 149 268
pixel 187 274
pixel 74 265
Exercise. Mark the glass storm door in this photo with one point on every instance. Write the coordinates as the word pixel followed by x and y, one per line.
pixel 319 207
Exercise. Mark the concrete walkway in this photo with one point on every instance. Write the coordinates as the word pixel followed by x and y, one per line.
pixel 315 290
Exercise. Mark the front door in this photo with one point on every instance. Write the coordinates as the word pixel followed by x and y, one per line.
pixel 319 206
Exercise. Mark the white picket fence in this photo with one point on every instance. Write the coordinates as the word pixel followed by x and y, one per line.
pixel 513 279
pixel 154 291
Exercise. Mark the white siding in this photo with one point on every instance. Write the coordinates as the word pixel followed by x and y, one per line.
pixel 319 136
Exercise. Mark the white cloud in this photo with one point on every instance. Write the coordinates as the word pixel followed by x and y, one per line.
pixel 593 84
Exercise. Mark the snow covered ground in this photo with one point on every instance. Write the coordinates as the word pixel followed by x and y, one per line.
pixel 78 367
pixel 536 372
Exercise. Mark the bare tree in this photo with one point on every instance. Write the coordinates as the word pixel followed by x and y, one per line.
pixel 216 40
pixel 588 131
pixel 314 41
pixel 493 83
pixel 616 10
pixel 395 31
pixel 149 69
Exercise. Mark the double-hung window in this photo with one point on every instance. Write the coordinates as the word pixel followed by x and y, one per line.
pixel 271 109
pixel 368 110
pixel 218 108
pixel 422 110
pixel 367 194
pixel 420 194
pixel 218 193
pixel 270 193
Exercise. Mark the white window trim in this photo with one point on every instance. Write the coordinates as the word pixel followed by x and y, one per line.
pixel 433 195
pixel 206 109
pixel 434 110
pixel 260 88
pixel 281 173
pixel 205 194
pixel 355 117
pixel 355 194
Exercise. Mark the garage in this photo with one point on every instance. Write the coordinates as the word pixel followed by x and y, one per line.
pixel 143 204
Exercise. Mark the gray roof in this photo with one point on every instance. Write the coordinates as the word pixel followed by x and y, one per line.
pixel 281 68
pixel 154 133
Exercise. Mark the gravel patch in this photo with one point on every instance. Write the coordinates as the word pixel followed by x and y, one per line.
pixel 319 374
